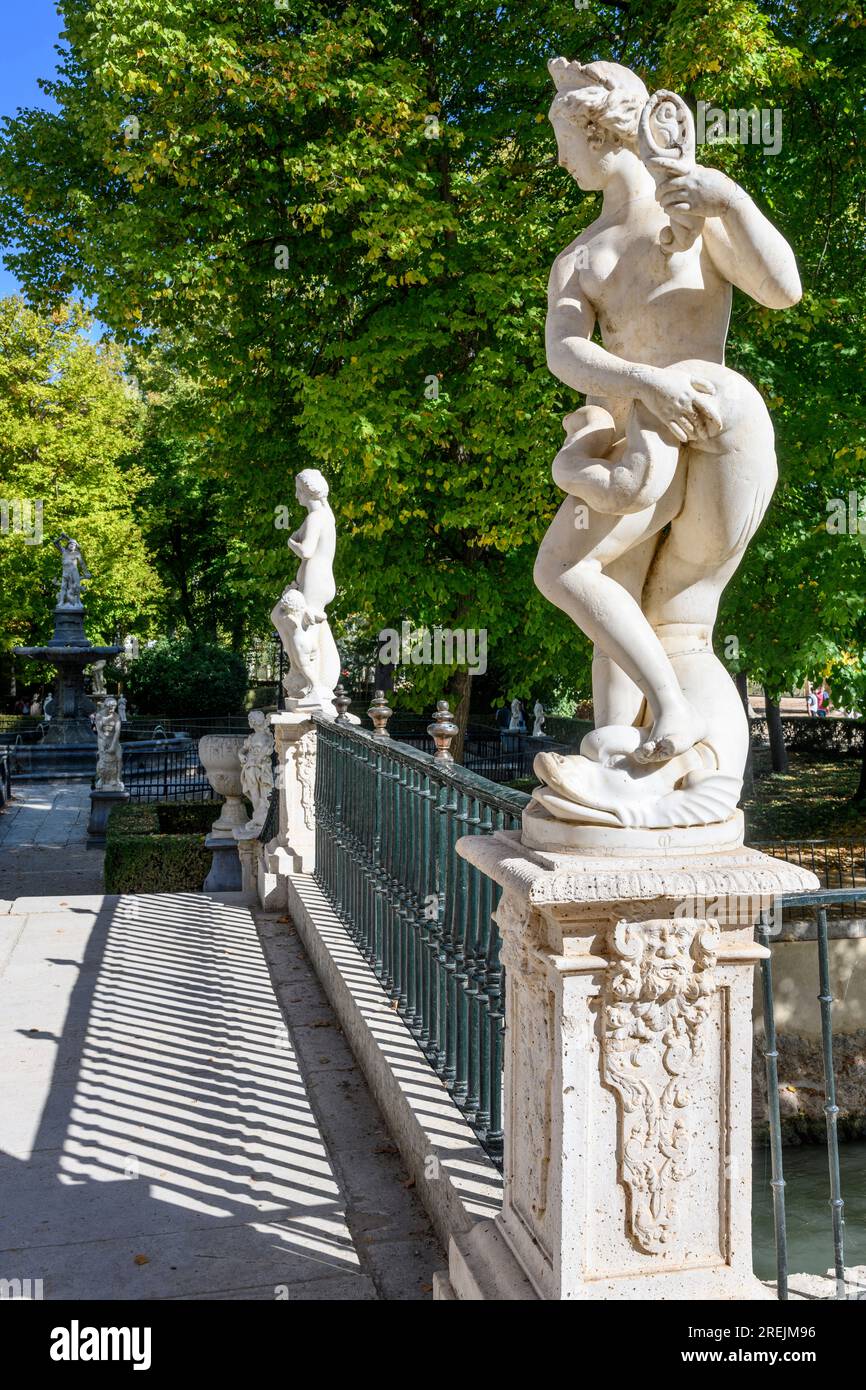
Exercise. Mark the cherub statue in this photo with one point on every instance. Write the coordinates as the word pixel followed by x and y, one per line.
pixel 109 759
pixel 257 775
pixel 668 467
pixel 538 720
pixel 70 580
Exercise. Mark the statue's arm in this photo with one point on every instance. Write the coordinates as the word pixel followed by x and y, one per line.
pixel 748 250
pixel 742 243
pixel 571 355
pixel 304 541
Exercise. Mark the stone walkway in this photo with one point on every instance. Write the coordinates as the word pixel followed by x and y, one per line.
pixel 43 841
pixel 164 1134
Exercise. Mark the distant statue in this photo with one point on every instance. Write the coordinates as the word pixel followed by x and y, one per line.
pixel 74 570
pixel 517 724
pixel 300 616
pixel 121 709
pixel 109 758
pixel 48 707
pixel 97 678
pixel 257 774
pixel 538 720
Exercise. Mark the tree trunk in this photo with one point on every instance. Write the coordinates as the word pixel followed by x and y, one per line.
pixel 778 751
pixel 741 680
pixel 459 698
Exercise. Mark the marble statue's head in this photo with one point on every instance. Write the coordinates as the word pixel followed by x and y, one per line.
pixel 311 485
pixel 256 718
pixel 109 704
pixel 595 115
pixel 294 602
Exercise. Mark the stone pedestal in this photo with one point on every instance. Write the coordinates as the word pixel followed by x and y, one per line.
pixel 102 802
pixel 294 848
pixel 225 869
pixel 628 1073
pixel 249 848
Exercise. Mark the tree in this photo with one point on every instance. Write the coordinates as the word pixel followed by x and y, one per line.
pixel 338 222
pixel 187 677
pixel 67 415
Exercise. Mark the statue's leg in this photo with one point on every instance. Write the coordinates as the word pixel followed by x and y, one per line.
pixel 616 698
pixel 730 482
pixel 570 571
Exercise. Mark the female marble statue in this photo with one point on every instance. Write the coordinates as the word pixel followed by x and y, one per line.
pixel 257 775
pixel 300 615
pixel 70 580
pixel 538 720
pixel 670 465
pixel 517 723
pixel 109 758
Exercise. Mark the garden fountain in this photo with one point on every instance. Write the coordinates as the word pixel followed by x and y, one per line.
pixel 71 652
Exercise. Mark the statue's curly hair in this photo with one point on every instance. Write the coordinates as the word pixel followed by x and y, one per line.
pixel 315 483
pixel 603 112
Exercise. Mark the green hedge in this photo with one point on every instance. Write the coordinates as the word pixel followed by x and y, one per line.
pixel 158 848
pixel 186 817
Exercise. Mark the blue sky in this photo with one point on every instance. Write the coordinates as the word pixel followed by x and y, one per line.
pixel 29 30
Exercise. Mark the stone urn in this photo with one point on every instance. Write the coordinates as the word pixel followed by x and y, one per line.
pixel 220 758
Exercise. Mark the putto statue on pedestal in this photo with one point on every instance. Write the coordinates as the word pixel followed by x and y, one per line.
pixel 300 615
pixel 109 758
pixel 257 774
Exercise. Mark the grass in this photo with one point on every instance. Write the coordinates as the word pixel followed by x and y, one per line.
pixel 812 801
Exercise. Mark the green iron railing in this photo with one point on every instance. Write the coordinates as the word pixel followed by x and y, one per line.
pixel 819 903
pixel 388 818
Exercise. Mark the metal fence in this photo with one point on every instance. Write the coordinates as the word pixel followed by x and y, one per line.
pixel 387 821
pixel 839 865
pixel 166 775
pixel 817 903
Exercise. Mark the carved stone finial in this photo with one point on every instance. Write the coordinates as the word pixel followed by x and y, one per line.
pixel 342 702
pixel 380 712
pixel 443 731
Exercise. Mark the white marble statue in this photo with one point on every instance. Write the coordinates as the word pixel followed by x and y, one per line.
pixel 538 720
pixel 109 757
pixel 669 466
pixel 97 678
pixel 257 774
pixel 74 570
pixel 517 723
pixel 121 708
pixel 300 615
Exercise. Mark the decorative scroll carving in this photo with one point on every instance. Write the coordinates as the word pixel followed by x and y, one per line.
pixel 656 1000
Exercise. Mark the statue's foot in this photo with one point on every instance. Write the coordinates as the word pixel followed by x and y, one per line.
pixel 677 729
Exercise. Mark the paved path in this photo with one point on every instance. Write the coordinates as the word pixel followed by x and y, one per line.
pixel 164 1136
pixel 43 841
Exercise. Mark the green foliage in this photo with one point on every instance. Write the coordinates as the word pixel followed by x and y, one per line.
pixel 148 851
pixel 67 414
pixel 185 817
pixel 251 192
pixel 181 676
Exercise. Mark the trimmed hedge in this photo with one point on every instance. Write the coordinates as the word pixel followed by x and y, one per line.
pixel 186 817
pixel 158 848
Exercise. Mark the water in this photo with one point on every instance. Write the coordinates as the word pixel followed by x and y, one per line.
pixel 807 1208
